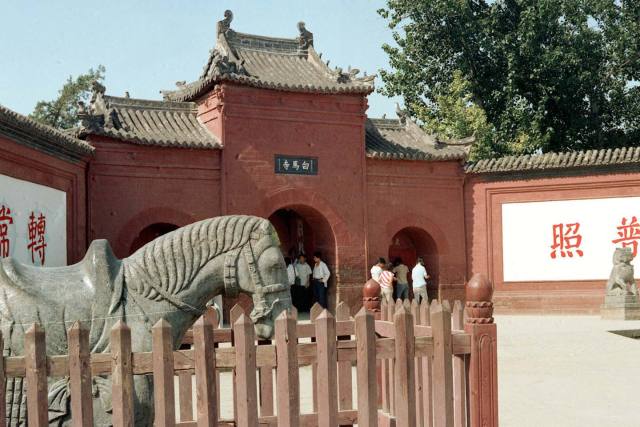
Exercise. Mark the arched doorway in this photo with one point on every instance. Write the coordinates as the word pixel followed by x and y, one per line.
pixel 150 233
pixel 303 230
pixel 411 243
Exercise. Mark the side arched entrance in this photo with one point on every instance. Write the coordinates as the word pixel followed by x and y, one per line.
pixel 303 230
pixel 412 242
pixel 151 232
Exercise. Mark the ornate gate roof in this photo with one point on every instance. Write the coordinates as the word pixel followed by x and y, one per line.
pixel 288 64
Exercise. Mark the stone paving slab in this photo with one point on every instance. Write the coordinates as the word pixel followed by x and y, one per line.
pixel 567 371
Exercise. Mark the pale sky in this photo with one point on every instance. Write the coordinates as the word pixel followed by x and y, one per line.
pixel 148 45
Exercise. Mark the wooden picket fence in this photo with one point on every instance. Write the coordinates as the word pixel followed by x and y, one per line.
pixel 412 367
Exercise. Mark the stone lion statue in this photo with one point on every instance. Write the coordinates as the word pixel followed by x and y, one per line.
pixel 621 281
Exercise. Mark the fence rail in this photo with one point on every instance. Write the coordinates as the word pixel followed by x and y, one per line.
pixel 414 365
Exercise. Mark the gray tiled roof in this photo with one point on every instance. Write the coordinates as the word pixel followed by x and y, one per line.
pixel 566 160
pixel 146 122
pixel 396 139
pixel 271 63
pixel 28 132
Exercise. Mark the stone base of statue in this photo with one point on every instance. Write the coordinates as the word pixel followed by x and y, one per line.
pixel 620 307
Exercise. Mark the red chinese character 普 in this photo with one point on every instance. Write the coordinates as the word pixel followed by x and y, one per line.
pixel 5 220
pixel 566 240
pixel 37 243
pixel 628 234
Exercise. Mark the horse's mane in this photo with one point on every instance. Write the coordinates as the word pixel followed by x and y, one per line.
pixel 171 262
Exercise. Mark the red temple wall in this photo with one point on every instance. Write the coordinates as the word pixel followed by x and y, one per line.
pixel 484 196
pixel 255 125
pixel 422 196
pixel 133 187
pixel 32 165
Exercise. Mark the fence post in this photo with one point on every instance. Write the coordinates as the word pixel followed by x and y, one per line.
pixel 405 392
pixel 366 369
pixel 35 361
pixel 3 406
pixel 121 375
pixel 287 375
pixel 265 379
pixel 427 371
pixel 415 312
pixel 163 383
pixel 442 366
pixel 205 367
pixel 459 372
pixel 234 314
pixel 315 311
pixel 483 360
pixel 80 376
pixel 345 397
pixel 327 365
pixel 245 378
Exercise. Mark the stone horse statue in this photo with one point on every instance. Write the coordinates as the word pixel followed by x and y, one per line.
pixel 173 277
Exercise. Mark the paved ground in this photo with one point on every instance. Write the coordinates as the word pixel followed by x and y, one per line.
pixel 567 371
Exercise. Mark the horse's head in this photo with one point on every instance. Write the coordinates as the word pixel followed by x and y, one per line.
pixel 229 254
pixel 258 268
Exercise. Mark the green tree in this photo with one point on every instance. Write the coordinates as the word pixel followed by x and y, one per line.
pixel 549 75
pixel 61 112
pixel 455 115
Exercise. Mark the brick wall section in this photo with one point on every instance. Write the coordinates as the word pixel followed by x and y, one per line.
pixel 134 186
pixel 427 196
pixel 255 124
pixel 484 195
pixel 31 165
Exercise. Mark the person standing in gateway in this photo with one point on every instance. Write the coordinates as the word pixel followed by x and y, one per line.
pixel 419 278
pixel 377 269
pixel 320 279
pixel 402 284
pixel 303 274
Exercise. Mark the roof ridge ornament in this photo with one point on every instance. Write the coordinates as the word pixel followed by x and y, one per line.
pixel 305 39
pixel 224 26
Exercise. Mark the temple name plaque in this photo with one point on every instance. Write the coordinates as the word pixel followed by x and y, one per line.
pixel 296 165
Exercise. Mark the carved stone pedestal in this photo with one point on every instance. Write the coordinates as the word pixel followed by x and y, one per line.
pixel 622 307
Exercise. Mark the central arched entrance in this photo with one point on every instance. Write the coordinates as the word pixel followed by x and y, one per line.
pixel 303 230
pixel 411 243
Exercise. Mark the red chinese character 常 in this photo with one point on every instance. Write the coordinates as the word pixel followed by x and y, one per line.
pixel 5 220
pixel 629 234
pixel 37 244
pixel 566 239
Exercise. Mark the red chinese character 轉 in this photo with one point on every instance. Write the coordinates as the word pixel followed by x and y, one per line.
pixel 37 243
pixel 628 234
pixel 566 240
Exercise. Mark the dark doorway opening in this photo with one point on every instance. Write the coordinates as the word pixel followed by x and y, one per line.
pixel 150 233
pixel 304 230
pixel 411 243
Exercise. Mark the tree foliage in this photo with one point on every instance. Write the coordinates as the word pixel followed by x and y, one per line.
pixel 549 75
pixel 61 112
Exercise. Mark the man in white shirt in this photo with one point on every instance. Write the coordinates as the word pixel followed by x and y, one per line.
pixel 320 279
pixel 376 270
pixel 303 271
pixel 303 276
pixel 419 278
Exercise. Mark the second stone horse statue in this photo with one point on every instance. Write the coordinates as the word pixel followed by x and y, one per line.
pixel 173 277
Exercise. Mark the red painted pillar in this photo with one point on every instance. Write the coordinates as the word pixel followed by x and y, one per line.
pixel 483 361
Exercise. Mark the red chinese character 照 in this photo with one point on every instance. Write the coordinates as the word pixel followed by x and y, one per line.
pixel 5 220
pixel 565 239
pixel 629 234
pixel 37 243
